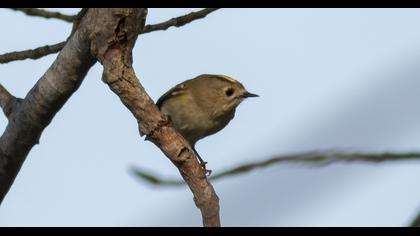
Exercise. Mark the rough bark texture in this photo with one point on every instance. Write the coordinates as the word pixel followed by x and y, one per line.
pixel 113 50
pixel 106 35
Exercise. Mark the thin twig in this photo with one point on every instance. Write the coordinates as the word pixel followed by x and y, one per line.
pixel 314 158
pixel 31 53
pixel 179 21
pixel 46 14
pixel 50 49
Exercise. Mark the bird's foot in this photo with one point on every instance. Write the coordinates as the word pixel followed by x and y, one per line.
pixel 206 171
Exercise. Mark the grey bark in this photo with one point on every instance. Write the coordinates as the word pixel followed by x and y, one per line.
pixel 33 114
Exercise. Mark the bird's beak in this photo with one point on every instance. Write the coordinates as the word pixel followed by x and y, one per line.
pixel 249 95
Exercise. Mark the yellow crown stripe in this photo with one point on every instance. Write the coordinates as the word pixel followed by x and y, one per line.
pixel 228 78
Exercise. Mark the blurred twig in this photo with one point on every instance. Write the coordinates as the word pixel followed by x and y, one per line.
pixel 313 158
pixel 416 221
pixel 50 49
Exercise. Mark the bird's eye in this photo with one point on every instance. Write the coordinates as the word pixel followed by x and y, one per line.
pixel 229 92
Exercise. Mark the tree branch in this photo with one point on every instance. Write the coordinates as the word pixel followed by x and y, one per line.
pixel 50 49
pixel 45 14
pixel 31 53
pixel 110 39
pixel 179 21
pixel 45 99
pixel 314 158
pixel 7 101
pixel 114 52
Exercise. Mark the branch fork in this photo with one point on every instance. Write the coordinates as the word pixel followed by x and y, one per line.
pixel 106 35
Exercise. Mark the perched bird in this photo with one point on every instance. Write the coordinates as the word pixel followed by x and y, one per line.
pixel 202 106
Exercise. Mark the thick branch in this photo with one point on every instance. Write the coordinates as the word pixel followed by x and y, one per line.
pixel 45 14
pixel 45 99
pixel 50 49
pixel 114 52
pixel 314 158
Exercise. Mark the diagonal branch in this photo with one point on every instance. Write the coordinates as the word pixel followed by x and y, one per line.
pixel 314 158
pixel 45 14
pixel 107 35
pixel 50 49
pixel 116 57
pixel 35 112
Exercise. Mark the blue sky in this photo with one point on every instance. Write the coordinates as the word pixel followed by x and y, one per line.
pixel 343 79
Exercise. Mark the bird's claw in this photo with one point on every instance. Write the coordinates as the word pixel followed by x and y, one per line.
pixel 203 165
pixel 208 172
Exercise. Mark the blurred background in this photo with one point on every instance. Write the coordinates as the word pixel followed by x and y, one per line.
pixel 342 79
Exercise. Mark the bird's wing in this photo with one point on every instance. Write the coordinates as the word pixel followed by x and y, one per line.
pixel 175 91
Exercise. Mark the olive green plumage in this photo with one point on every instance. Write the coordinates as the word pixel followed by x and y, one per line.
pixel 202 106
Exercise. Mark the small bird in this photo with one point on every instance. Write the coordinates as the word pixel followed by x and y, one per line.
pixel 202 106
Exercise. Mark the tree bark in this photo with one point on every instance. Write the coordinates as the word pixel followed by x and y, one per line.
pixel 31 115
pixel 114 51
pixel 107 35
